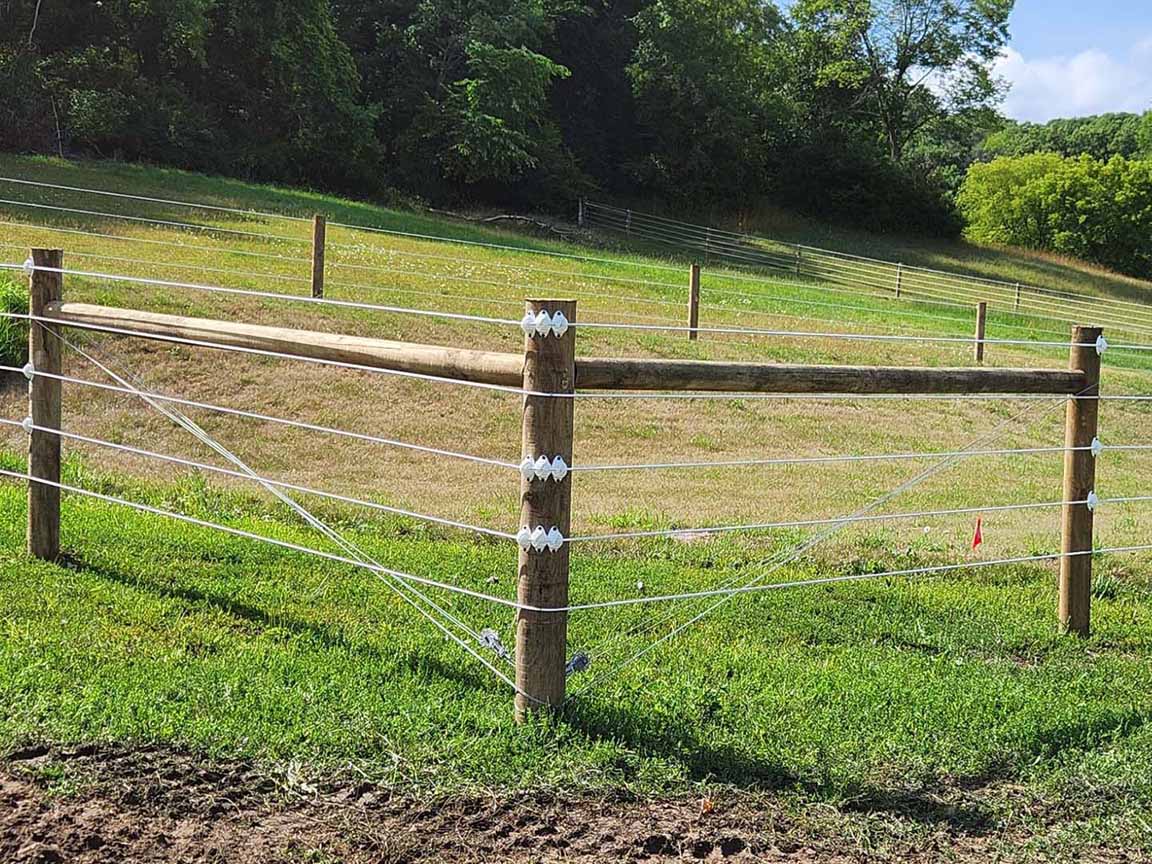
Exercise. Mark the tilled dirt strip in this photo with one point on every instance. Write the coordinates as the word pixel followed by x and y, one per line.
pixel 104 804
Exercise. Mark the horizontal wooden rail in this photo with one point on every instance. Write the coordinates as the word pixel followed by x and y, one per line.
pixel 613 374
pixel 456 363
pixel 489 367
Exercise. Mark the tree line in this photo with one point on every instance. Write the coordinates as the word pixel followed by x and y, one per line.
pixel 865 111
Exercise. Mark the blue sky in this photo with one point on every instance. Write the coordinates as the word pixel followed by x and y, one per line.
pixel 1072 57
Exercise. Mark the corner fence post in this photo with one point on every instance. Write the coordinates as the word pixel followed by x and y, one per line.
pixel 541 637
pixel 319 230
pixel 44 353
pixel 1079 480
pixel 694 302
pixel 981 330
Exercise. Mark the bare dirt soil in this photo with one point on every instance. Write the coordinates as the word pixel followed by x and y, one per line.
pixel 151 804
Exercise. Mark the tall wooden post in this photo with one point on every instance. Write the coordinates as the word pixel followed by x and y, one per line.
pixel 541 637
pixel 694 302
pixel 899 279
pixel 44 353
pixel 981 329
pixel 319 229
pixel 1079 480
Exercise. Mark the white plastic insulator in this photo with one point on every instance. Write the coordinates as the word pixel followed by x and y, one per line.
pixel 29 370
pixel 543 323
pixel 539 538
pixel 542 468
pixel 1097 447
pixel 1101 344
pixel 27 425
pixel 527 468
pixel 524 538
pixel 555 539
pixel 559 324
pixel 1093 501
pixel 559 469
pixel 29 266
pixel 528 324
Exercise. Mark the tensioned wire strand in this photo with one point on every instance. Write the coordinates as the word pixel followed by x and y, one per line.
pixel 267 418
pixel 404 590
pixel 200 466
pixel 908 269
pixel 739 331
pixel 514 604
pixel 786 556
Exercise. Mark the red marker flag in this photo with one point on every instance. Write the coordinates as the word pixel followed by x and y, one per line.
pixel 978 537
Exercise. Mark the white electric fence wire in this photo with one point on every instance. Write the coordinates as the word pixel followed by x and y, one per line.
pixel 819 460
pixel 403 588
pixel 811 523
pixel 271 541
pixel 704 232
pixel 787 556
pixel 854 577
pixel 167 223
pixel 884 273
pixel 295 298
pixel 236 210
pixel 263 481
pixel 267 418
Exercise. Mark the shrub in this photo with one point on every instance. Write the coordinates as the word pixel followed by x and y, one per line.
pixel 1098 211
pixel 13 331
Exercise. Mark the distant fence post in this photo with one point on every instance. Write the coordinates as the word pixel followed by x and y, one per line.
pixel 799 258
pixel 694 302
pixel 1079 480
pixel 45 354
pixel 628 222
pixel 981 329
pixel 580 213
pixel 899 279
pixel 1016 304
pixel 319 229
pixel 541 637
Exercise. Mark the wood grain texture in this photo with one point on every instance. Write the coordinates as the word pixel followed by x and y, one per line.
pixel 614 374
pixel 981 330
pixel 542 638
pixel 1081 423
pixel 694 302
pixel 44 407
pixel 455 363
pixel 319 231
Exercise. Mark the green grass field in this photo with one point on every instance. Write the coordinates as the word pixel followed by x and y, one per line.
pixel 843 696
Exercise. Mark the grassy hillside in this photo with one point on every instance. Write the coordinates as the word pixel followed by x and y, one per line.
pixel 953 688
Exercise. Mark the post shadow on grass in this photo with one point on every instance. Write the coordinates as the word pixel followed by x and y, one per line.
pixel 322 635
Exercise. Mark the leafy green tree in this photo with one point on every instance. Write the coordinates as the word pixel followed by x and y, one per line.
pixel 1099 211
pixel 706 76
pixel 1101 137
pixel 908 61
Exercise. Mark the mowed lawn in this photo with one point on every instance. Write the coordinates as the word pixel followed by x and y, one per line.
pixel 156 630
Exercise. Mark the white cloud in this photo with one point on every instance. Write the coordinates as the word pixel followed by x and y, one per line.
pixel 1091 82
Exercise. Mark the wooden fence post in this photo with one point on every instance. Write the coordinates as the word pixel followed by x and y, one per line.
pixel 694 302
pixel 799 258
pixel 1079 480
pixel 981 328
pixel 1016 303
pixel 319 229
pixel 899 279
pixel 44 353
pixel 580 214
pixel 541 637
